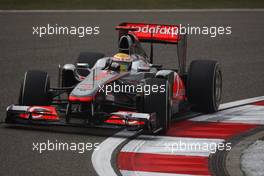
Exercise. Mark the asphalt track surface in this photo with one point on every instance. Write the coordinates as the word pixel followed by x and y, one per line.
pixel 240 55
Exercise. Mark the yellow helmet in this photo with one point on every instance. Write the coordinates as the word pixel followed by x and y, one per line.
pixel 122 57
pixel 123 60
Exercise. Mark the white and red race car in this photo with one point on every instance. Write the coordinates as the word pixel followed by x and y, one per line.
pixel 126 89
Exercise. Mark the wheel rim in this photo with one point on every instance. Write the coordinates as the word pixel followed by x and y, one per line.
pixel 218 87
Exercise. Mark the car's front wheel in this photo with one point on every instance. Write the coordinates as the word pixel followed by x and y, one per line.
pixel 158 102
pixel 35 89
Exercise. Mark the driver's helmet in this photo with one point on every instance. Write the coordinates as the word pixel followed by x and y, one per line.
pixel 123 61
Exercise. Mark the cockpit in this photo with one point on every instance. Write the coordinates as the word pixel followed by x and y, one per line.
pixel 130 56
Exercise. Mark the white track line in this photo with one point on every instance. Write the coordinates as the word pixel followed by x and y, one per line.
pixel 248 114
pixel 101 158
pixel 241 102
pixel 139 173
pixel 133 10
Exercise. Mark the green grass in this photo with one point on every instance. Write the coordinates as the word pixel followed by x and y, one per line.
pixel 131 4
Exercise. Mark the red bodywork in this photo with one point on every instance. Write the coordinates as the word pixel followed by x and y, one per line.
pixel 116 120
pixel 154 32
pixel 80 99
pixel 179 92
pixel 41 113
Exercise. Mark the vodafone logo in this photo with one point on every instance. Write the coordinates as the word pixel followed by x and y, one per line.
pixel 156 29
pixel 173 33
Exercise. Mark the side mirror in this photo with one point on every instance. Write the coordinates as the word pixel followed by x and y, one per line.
pixel 156 66
pixel 143 69
pixel 82 65
pixel 83 69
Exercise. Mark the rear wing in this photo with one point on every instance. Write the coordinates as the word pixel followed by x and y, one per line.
pixel 158 33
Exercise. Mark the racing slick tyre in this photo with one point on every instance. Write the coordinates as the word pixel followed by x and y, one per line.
pixel 89 58
pixel 35 89
pixel 158 102
pixel 204 85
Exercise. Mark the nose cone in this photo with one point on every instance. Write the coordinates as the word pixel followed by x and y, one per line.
pixel 86 90
pixel 80 99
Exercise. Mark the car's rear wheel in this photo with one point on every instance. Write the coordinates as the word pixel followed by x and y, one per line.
pixel 204 87
pixel 35 89
pixel 89 58
pixel 158 102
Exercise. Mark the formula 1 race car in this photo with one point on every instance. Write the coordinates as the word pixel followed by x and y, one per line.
pixel 126 89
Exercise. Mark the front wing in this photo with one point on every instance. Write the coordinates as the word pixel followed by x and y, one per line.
pixel 48 115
